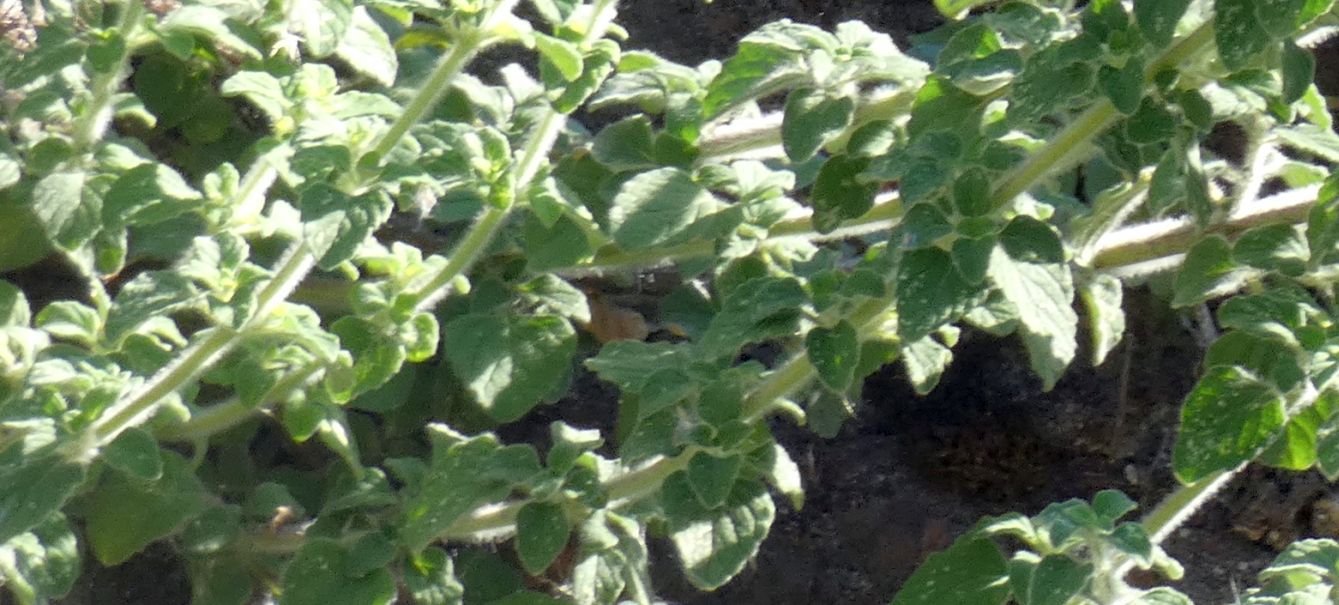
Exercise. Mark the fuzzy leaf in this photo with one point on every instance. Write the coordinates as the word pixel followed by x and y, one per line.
pixel 1229 418
pixel 510 363
pixel 714 545
pixel 126 513
pixel 654 207
pixel 971 572
pixel 811 119
pixel 317 576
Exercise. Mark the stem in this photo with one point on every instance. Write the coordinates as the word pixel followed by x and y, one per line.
pixel 1150 241
pixel 1180 504
pixel 201 356
pixel 536 151
pixel 93 123
pixel 223 416
pixel 438 82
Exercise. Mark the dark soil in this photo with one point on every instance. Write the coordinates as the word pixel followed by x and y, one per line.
pixel 910 473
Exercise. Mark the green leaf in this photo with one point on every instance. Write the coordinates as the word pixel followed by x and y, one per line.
pixel 1124 86
pixel 510 363
pixel 550 293
pixel 1239 32
pixel 542 531
pixel 149 295
pixel 68 320
pixel 67 210
pixel 834 353
pixel 148 193
pixel 630 364
pixel 564 244
pixel 14 309
pixel 654 207
pixel 260 88
pixel 126 513
pixel 43 563
pixel 1029 268
pixel 335 224
pixel 1157 19
pixel 1049 82
pixel 1208 268
pixel 758 68
pixel 626 144
pixel 316 576
pixel 456 482
pixel 561 54
pixel 214 25
pixel 320 23
pixel 367 49
pixel 136 454
pixel 714 545
pixel 1273 248
pixel 811 119
pixel 430 578
pixel 1229 418
pixel 37 487
pixel 1299 71
pixel 1151 123
pixel 930 293
pixel 971 572
pixel 613 559
pixel 761 308
pixel 1054 581
pixel 925 360
pixel 784 475
pixel 712 478
pixel 1102 297
pixel 839 194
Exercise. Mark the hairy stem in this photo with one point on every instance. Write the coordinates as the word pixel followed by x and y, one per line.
pixel 98 114
pixel 536 151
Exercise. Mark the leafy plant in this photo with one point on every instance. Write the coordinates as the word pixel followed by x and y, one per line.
pixel 242 190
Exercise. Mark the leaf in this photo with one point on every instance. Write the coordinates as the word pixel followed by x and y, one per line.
pixel 714 545
pixel 613 560
pixel 838 193
pixel 14 310
pixel 1229 418
pixel 1162 596
pixel 834 352
pixel 126 513
pixel 757 69
pixel 335 224
pixel 69 213
pixel 214 25
pixel 37 487
pixel 1207 269
pixel 321 23
pixel 930 293
pixel 712 478
pixel 1299 71
pixel 1279 248
pixel 1239 32
pixel 653 207
pixel 1124 86
pixel 367 49
pixel 43 563
pixel 541 535
pixel 1029 269
pixel 1157 19
pixel 261 89
pixel 455 483
pixel 784 475
pixel 316 576
pixel 510 363
pixel 925 360
pixel 626 144
pixel 1054 581
pixel 148 193
pixel 971 572
pixel 136 454
pixel 149 295
pixel 561 54
pixel 431 580
pixel 811 119
pixel 629 364
pixel 1102 298
pixel 68 320
pixel 759 309
pixel 1049 81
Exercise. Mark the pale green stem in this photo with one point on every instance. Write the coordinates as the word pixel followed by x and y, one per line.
pixel 93 123
pixel 438 82
pixel 200 356
pixel 536 151
pixel 220 417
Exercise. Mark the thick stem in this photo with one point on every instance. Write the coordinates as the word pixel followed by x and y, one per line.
pixel 223 416
pixel 438 82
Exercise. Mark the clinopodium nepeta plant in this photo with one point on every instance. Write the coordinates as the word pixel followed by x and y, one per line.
pixel 308 222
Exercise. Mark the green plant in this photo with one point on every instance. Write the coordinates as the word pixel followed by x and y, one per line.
pixel 227 180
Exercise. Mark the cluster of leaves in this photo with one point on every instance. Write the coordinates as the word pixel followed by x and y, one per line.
pixel 268 372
